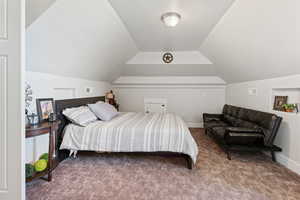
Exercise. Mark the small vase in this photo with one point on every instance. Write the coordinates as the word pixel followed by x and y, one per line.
pixel 289 110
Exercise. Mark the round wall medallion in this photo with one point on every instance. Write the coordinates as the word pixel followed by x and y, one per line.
pixel 167 57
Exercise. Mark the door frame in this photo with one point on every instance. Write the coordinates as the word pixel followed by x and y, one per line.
pixel 12 51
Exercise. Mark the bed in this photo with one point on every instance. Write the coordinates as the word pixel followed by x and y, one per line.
pixel 153 133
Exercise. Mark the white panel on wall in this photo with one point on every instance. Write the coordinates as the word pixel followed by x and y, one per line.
pixel 189 102
pixel 64 93
pixel 30 155
pixel 38 148
pixel 3 19
pixel 3 123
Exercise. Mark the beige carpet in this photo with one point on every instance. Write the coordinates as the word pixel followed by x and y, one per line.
pixel 101 177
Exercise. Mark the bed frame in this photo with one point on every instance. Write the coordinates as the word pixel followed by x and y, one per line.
pixel 71 103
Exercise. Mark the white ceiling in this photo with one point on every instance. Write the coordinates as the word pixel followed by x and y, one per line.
pixel 142 19
pixel 255 39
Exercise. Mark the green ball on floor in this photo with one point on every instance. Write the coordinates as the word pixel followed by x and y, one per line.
pixel 44 156
pixel 29 170
pixel 40 165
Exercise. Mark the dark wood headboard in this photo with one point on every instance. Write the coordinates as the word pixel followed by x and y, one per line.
pixel 60 105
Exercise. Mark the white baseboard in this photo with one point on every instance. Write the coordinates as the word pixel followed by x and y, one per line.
pixel 195 124
pixel 288 163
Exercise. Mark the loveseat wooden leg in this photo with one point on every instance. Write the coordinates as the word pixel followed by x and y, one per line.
pixel 273 156
pixel 228 154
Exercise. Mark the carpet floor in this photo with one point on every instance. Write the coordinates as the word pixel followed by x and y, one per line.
pixel 114 176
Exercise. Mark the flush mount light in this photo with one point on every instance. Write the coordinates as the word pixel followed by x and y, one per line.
pixel 170 19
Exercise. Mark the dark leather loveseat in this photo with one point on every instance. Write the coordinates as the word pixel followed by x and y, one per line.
pixel 243 129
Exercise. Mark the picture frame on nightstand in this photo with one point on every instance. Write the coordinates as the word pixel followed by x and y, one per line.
pixel 45 108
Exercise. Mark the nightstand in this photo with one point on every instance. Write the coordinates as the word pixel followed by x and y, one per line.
pixel 42 129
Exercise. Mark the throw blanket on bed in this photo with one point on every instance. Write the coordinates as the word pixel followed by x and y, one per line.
pixel 133 132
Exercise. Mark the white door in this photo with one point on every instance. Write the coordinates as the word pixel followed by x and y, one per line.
pixel 12 29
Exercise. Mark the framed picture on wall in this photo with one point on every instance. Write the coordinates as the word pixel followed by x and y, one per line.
pixel 44 108
pixel 279 102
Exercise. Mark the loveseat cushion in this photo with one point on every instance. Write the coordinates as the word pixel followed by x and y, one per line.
pixel 246 124
pixel 212 124
pixel 230 120
pixel 262 119
pixel 219 132
pixel 212 117
pixel 231 110
pixel 238 135
pixel 244 138
pixel 243 130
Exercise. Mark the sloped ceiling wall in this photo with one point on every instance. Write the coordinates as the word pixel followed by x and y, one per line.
pixel 34 8
pixel 256 39
pixel 169 70
pixel 84 39
pixel 186 63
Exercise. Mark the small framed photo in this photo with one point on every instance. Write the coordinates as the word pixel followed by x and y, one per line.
pixel 279 102
pixel 45 107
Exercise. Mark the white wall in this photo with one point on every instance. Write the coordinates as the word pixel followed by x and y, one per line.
pixel 188 97
pixel 169 80
pixel 57 87
pixel 288 137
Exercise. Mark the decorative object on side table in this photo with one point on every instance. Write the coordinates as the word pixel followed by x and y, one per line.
pixel 45 108
pixel 279 102
pixel 52 117
pixel 111 99
pixel 28 100
pixel 46 163
pixel 33 119
pixel 290 107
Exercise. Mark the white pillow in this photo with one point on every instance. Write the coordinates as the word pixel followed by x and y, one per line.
pixel 81 115
pixel 103 111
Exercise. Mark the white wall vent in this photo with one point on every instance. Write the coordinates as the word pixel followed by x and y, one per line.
pixel 252 91
pixel 155 105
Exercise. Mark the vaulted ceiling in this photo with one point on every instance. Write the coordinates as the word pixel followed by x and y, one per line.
pixel 79 39
pixel 198 17
pixel 237 40
pixel 256 39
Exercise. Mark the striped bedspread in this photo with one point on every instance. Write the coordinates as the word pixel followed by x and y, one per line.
pixel 133 132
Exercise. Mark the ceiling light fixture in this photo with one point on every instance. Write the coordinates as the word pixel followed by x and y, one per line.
pixel 170 19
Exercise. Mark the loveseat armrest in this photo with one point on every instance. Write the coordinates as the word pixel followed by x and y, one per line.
pixel 212 117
